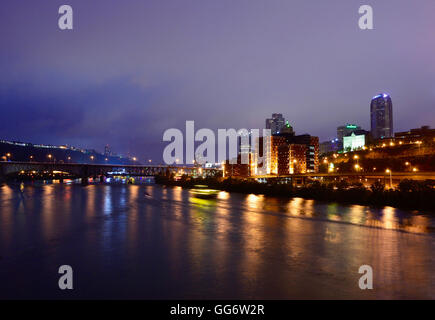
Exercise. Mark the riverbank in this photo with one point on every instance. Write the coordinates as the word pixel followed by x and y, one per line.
pixel 410 194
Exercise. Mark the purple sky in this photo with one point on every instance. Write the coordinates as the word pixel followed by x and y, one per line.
pixel 131 69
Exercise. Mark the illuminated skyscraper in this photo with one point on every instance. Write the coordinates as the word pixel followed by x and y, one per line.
pixel 381 116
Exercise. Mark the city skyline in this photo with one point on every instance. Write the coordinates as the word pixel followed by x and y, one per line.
pixel 133 80
pixel 211 158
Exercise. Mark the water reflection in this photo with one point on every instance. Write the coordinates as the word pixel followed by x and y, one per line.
pixel 154 242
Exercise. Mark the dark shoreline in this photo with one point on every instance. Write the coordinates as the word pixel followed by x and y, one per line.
pixel 412 195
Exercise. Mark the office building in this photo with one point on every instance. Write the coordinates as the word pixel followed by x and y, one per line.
pixel 381 116
pixel 276 123
pixel 312 149
pixel 333 145
pixel 346 130
pixel 354 142
pixel 418 134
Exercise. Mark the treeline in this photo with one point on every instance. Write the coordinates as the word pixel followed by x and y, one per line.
pixel 410 194
pixel 30 153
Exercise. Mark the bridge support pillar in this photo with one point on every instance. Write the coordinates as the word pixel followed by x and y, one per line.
pixel 85 181
pixel 101 179
pixel 2 175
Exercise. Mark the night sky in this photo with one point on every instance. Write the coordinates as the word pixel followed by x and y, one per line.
pixel 131 69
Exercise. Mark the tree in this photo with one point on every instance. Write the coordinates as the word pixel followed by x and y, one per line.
pixel 377 187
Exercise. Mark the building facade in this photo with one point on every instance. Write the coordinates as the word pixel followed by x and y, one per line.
pixel 292 159
pixel 344 131
pixel 238 169
pixel 286 154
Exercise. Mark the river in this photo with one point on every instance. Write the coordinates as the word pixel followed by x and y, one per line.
pixel 153 242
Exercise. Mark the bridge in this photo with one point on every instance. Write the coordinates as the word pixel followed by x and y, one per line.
pixel 86 170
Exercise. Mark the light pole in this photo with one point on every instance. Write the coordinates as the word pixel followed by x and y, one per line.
pixel 391 179
pixel 356 157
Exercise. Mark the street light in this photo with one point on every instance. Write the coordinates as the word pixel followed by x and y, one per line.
pixel 391 179
pixel 49 157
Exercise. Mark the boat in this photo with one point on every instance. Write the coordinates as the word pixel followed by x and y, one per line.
pixel 203 192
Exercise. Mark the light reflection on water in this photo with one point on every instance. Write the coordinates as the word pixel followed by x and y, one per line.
pixel 129 241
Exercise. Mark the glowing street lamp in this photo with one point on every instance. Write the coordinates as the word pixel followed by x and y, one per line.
pixel 92 158
pixel 391 179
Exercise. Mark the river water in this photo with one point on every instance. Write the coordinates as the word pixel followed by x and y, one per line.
pixel 152 242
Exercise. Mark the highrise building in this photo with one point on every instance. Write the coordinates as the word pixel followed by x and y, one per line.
pixel 107 151
pixel 381 116
pixel 276 123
